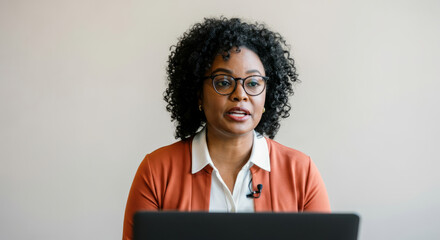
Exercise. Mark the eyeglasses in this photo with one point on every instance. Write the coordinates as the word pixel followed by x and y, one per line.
pixel 225 84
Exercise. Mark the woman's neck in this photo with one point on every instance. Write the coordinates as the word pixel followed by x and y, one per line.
pixel 229 153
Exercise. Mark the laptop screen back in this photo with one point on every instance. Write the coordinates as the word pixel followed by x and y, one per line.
pixel 241 226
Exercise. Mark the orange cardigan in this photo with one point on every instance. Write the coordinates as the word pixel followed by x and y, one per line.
pixel 164 181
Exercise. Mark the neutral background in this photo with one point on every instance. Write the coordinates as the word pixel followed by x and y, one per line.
pixel 81 104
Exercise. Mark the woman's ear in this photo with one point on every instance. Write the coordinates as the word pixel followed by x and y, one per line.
pixel 200 96
pixel 199 101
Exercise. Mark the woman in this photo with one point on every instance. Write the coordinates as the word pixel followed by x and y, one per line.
pixel 228 86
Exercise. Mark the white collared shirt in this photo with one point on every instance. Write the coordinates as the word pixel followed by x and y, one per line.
pixel 221 199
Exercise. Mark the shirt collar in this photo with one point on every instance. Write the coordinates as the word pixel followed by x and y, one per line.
pixel 200 154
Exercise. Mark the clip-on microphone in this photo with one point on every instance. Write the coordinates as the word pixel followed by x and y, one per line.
pixel 253 193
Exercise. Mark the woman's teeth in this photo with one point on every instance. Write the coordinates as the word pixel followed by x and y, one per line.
pixel 238 114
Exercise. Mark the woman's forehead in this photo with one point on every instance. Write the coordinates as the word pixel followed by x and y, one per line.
pixel 244 61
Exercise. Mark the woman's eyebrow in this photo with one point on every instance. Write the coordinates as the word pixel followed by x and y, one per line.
pixel 230 72
pixel 221 70
pixel 253 71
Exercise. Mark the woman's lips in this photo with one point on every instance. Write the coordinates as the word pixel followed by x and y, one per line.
pixel 238 114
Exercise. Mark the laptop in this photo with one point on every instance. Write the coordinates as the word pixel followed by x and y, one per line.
pixel 242 226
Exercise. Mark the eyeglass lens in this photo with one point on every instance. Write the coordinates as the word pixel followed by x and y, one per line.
pixel 253 85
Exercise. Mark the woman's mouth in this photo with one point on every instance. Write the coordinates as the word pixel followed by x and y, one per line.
pixel 238 114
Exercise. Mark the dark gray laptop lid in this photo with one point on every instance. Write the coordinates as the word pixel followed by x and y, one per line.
pixel 242 226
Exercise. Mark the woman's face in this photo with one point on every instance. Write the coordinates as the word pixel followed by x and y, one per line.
pixel 238 113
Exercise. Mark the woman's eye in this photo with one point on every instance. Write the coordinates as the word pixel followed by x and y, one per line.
pixel 223 83
pixel 253 84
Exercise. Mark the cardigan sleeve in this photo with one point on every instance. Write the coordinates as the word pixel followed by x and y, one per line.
pixel 142 196
pixel 316 198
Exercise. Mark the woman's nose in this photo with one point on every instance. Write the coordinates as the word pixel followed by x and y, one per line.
pixel 239 94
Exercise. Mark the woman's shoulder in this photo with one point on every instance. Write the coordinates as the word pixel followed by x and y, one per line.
pixel 175 154
pixel 279 148
pixel 281 154
pixel 172 149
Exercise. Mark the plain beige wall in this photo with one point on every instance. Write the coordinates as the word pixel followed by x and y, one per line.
pixel 81 86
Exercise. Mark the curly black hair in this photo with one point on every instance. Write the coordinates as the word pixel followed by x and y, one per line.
pixel 194 54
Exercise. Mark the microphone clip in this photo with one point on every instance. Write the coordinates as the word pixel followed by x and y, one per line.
pixel 255 194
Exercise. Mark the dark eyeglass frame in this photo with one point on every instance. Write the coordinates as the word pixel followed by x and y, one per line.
pixel 237 79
